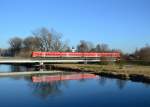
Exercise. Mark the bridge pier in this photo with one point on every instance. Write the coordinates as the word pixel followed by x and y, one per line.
pixel 41 63
pixel 85 61
pixel 41 66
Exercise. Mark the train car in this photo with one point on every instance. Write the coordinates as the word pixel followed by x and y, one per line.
pixel 76 54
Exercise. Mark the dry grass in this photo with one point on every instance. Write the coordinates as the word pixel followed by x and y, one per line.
pixel 126 69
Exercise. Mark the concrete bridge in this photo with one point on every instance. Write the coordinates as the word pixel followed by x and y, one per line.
pixel 42 61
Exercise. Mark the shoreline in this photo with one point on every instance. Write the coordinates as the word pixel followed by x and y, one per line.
pixel 137 77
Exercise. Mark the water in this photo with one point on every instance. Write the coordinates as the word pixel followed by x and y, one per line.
pixel 92 92
pixel 15 68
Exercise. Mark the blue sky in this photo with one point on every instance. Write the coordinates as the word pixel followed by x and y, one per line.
pixel 123 24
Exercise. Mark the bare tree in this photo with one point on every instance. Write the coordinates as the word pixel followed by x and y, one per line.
pixel 31 43
pixel 44 38
pixel 84 46
pixel 102 48
pixel 56 44
pixel 143 53
pixel 49 40
pixel 98 48
pixel 91 47
pixel 15 45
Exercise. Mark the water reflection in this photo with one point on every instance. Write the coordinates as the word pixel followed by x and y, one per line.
pixel 65 89
pixel 147 85
pixel 121 83
pixel 16 67
pixel 44 89
pixel 50 85
pixel 102 81
pixel 5 68
pixel 52 78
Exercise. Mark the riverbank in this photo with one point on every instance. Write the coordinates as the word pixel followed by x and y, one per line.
pixel 126 72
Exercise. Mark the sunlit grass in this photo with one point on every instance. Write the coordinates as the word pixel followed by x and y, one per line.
pixel 127 69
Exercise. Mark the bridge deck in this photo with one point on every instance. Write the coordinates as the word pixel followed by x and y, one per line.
pixel 32 60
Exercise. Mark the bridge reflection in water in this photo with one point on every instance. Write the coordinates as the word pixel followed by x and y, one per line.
pixel 52 78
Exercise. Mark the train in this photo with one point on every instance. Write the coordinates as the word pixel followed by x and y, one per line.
pixel 76 54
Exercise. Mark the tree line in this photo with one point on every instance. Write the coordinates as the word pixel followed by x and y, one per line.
pixel 141 54
pixel 47 40
pixel 40 40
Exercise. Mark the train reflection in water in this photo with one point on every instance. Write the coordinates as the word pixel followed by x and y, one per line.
pixel 52 78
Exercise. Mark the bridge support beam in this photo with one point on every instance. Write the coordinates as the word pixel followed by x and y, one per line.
pixel 41 66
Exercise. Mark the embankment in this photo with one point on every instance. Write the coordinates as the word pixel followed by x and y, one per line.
pixel 134 73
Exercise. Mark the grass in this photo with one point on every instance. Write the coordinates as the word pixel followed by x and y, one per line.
pixel 125 69
pixel 132 72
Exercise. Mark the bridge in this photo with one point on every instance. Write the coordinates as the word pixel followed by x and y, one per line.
pixel 62 57
pixel 42 61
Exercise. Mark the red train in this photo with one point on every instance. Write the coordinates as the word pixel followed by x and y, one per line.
pixel 76 54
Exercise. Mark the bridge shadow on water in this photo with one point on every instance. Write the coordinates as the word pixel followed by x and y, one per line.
pixel 18 67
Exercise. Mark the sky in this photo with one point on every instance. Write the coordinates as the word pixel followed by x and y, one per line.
pixel 122 24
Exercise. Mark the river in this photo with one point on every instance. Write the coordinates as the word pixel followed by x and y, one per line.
pixel 69 90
